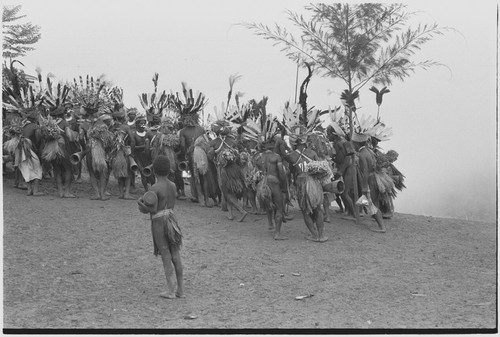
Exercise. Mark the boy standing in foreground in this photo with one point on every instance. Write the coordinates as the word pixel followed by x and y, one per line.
pixel 159 201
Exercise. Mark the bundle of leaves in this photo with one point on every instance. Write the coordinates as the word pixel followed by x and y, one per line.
pixel 226 157
pixel 382 161
pixel 318 169
pixel 101 132
pixel 253 177
pixel 49 128
pixel 15 128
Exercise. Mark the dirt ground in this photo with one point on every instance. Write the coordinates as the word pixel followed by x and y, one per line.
pixel 78 263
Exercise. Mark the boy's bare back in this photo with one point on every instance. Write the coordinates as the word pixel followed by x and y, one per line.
pixel 166 193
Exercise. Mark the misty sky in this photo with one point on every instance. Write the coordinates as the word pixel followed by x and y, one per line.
pixel 444 121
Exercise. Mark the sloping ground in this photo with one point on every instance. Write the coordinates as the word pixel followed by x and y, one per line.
pixel 77 263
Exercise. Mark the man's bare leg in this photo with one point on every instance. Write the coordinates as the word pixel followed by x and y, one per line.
pixel 68 177
pixel 380 223
pixel 270 224
pixel 36 188
pixel 310 225
pixel 230 211
pixel 127 195
pixel 121 192
pixel 30 188
pixel 318 216
pixel 59 183
pixel 278 219
pixel 93 183
pixel 102 187
pixel 326 207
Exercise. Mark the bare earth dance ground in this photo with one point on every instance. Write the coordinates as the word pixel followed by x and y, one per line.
pixel 78 263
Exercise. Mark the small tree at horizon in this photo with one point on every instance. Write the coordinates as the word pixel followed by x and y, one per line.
pixel 356 43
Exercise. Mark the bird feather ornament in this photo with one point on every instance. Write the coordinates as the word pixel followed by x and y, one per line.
pixel 364 124
pixel 380 131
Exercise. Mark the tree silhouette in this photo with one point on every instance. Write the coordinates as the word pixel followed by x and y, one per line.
pixel 17 38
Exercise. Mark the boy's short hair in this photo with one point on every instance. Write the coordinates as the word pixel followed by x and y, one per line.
pixel 161 165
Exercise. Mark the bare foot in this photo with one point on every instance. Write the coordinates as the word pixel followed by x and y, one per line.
pixel 61 195
pixel 121 197
pixel 270 227
pixel 22 187
pixel 128 197
pixel 180 295
pixel 322 239
pixel 243 216
pixel 288 217
pixel 69 195
pixel 311 238
pixel 106 193
pixel 377 230
pixel 38 194
pixel 167 295
pixel 195 200
pixel 230 217
pixel 280 237
pixel 326 220
pixel 95 197
pixel 105 197
pixel 182 197
pixel 78 181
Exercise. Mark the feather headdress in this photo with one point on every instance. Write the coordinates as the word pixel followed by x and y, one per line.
pixel 294 124
pixel 154 103
pixel 189 107
pixel 55 96
pixel 116 98
pixel 337 120
pixel 92 95
pixel 28 101
pixel 380 131
pixel 259 126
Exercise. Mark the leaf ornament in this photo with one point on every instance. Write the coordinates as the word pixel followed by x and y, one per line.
pixel 379 94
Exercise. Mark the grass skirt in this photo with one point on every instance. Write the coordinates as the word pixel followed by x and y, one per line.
pixel 232 179
pixel 212 183
pixel 55 150
pixel 98 156
pixel 120 165
pixel 309 193
pixel 200 160
pixel 171 229
pixel 264 194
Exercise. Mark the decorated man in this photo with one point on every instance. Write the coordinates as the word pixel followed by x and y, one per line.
pixel 309 189
pixel 141 153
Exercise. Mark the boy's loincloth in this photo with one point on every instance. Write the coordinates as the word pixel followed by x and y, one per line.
pixel 171 228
